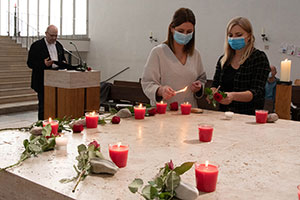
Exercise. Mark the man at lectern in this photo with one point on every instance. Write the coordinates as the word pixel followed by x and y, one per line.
pixel 46 53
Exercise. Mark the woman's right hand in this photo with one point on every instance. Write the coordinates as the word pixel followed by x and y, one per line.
pixel 213 89
pixel 166 92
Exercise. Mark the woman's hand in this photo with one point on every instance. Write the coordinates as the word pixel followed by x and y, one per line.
pixel 166 92
pixel 228 99
pixel 213 89
pixel 196 86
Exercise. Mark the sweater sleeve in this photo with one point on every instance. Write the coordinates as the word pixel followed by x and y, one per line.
pixel 261 68
pixel 151 78
pixel 201 77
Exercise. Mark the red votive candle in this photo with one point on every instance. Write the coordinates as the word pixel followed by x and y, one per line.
pixel 54 126
pixel 185 108
pixel 298 192
pixel 139 112
pixel 161 107
pixel 205 132
pixel 119 154
pixel 206 177
pixel 91 119
pixel 261 116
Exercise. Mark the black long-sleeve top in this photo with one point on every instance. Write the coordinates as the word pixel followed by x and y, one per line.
pixel 251 75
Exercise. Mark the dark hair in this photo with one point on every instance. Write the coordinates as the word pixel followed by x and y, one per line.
pixel 181 16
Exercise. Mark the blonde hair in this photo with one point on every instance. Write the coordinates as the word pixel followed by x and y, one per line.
pixel 245 24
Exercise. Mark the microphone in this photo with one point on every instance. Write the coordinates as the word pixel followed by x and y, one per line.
pixel 80 59
pixel 69 52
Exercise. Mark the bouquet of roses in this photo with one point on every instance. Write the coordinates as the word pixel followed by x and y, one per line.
pixel 215 96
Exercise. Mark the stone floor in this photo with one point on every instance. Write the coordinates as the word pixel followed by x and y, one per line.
pixel 16 120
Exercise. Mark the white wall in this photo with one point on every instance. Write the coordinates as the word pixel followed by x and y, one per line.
pixel 119 30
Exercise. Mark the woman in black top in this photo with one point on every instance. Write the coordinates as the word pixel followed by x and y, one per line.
pixel 242 71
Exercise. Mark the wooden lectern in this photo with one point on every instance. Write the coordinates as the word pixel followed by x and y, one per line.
pixel 70 93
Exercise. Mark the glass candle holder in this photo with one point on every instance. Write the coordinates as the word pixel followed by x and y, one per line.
pixel 206 176
pixel 205 132
pixel 119 154
pixel 261 116
pixel 91 119
pixel 54 126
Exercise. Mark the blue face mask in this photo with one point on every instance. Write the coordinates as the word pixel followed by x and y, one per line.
pixel 182 38
pixel 237 43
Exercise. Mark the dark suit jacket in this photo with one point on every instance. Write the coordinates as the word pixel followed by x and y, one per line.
pixel 37 54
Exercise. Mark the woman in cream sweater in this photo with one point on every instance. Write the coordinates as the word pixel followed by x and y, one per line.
pixel 175 64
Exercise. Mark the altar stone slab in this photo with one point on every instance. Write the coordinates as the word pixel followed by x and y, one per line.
pixel 257 161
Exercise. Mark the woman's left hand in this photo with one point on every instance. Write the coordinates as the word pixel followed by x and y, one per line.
pixel 196 86
pixel 228 99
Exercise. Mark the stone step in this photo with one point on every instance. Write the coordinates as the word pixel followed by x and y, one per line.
pixel 14 45
pixel 15 63
pixel 8 41
pixel 19 84
pixel 16 51
pixel 18 98
pixel 18 107
pixel 13 53
pixel 13 58
pixel 16 91
pixel 22 66
pixel 15 78
pixel 23 72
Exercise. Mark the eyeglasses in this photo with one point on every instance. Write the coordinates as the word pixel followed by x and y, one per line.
pixel 51 35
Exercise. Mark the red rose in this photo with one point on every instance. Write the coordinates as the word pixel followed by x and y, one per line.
pixel 171 165
pixel 115 120
pixel 174 106
pixel 152 111
pixel 77 128
pixel 89 69
pixel 218 97
pixel 95 144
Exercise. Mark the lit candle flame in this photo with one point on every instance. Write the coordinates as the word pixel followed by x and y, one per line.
pixel 206 163
pixel 50 120
pixel 119 144
pixel 286 60
pixel 93 113
pixel 186 102
pixel 141 105
pixel 182 90
pixel 161 102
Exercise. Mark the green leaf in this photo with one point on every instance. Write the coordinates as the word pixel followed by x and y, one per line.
pixel 208 91
pixel 149 192
pixel 101 121
pixel 135 185
pixel 99 155
pixel 165 195
pixel 25 143
pixel 172 181
pixel 113 111
pixel 35 148
pixel 183 168
pixel 46 130
pixel 81 148
pixel 159 183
